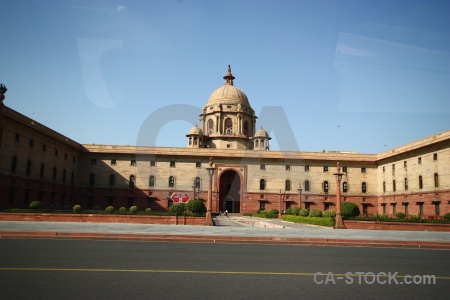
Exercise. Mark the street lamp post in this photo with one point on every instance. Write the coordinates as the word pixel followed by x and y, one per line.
pixel 339 224
pixel 279 211
pixel 208 219
pixel 300 195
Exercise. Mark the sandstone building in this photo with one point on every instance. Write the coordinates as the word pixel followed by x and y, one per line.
pixel 38 163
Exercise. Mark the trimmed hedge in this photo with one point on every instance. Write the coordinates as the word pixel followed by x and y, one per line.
pixel 177 209
pixel 36 204
pixel 196 206
pixel 77 208
pixel 320 221
pixel 349 209
pixel 109 209
pixel 447 216
pixel 315 212
pixel 304 212
pixel 133 209
pixel 329 213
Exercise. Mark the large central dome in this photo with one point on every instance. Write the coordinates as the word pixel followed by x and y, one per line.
pixel 228 94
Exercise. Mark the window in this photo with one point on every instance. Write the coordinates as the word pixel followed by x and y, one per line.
pixel 198 164
pixel 246 128
pixel 420 182
pixel 405 165
pixel 394 208
pixel 406 208
pixel 210 126
pixel 262 205
pixel 133 162
pixel 132 181
pixel 344 187
pixel 72 175
pixel 306 168
pixel 420 208
pixel 112 180
pixel 54 173
pixel 436 209
pixel 172 164
pixel 113 162
pixel 14 164
pixel 384 186
pixel 92 179
pixel 41 171
pixel 65 156
pixel 153 163
pixel 435 156
pixel 384 169
pixel 406 184
pixel 228 126
pixel 197 182
pixel 344 169
pixel 262 166
pixel 363 170
pixel 262 184
pixel 363 187
pixel 288 167
pixel 93 161
pixel 394 187
pixel 56 152
pixel 325 168
pixel 44 148
pixel 287 185
pixel 64 175
pixel 30 143
pixel 436 180
pixel 393 169
pixel 171 181
pixel 17 137
pixel 151 181
pixel 419 160
pixel 306 185
pixel 28 167
pixel 325 186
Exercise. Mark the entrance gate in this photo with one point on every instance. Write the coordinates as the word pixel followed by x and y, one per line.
pixel 229 192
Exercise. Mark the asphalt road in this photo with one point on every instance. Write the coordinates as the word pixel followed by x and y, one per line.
pixel 77 269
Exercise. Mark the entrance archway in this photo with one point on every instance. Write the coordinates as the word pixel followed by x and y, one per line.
pixel 230 192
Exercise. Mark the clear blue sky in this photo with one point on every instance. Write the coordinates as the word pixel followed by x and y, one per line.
pixel 363 76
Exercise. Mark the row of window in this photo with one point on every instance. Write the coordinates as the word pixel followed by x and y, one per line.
pixel 325 186
pixel 132 181
pixel 405 163
pixel 394 184
pixel 152 163
pixel 41 170
pixel 44 147
pixel 307 168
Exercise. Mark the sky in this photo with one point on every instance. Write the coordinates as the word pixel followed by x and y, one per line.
pixel 364 76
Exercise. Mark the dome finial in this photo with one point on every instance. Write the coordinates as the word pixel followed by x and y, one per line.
pixel 229 77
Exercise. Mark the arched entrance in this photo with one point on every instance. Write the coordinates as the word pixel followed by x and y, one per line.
pixel 230 192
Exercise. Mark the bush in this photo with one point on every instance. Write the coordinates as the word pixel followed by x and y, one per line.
pixel 122 209
pixel 263 212
pixel 77 208
pixel 295 211
pixel 273 212
pixel 109 209
pixel 196 206
pixel 303 212
pixel 349 209
pixel 258 211
pixel 329 213
pixel 288 211
pixel 414 218
pixel 315 213
pixel 328 222
pixel 400 215
pixel 36 204
pixel 148 209
pixel 68 206
pixel 97 207
pixel 133 209
pixel 447 216
pixel 177 209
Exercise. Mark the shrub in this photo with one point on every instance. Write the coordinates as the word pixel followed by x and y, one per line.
pixel 196 206
pixel 400 215
pixel 447 216
pixel 349 209
pixel 288 211
pixel 177 209
pixel 97 207
pixel 122 209
pixel 329 213
pixel 315 213
pixel 263 212
pixel 77 208
pixel 109 209
pixel 273 212
pixel 329 222
pixel 247 214
pixel 258 211
pixel 36 204
pixel 414 218
pixel 304 212
pixel 148 209
pixel 68 206
pixel 133 209
pixel 295 210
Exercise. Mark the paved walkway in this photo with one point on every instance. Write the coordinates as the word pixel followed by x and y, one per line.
pixel 229 230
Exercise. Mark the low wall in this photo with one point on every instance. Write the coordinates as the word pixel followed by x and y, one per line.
pixel 135 219
pixel 405 226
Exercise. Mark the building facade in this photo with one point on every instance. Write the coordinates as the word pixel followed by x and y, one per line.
pixel 38 163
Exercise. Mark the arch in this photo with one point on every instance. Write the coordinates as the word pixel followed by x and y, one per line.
pixel 230 191
pixel 171 181
pixel 287 185
pixel 344 187
pixel 151 181
pixel 112 180
pixel 132 181
pixel 228 126
pixel 363 187
pixel 262 184
pixel 325 187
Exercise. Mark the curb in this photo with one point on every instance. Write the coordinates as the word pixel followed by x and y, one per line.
pixel 229 239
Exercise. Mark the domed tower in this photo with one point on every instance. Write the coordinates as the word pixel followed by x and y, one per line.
pixel 228 121
pixel 261 140
pixel 195 137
